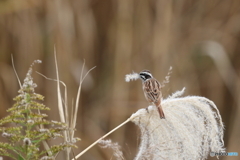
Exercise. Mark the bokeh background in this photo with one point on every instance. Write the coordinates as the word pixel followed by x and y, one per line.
pixel 199 39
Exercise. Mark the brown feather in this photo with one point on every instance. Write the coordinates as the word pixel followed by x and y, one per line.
pixel 152 92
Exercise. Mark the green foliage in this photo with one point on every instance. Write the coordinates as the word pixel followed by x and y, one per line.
pixel 25 127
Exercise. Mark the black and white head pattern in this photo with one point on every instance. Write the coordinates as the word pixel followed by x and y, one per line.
pixel 145 75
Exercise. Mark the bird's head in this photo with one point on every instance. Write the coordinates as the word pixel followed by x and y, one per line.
pixel 145 75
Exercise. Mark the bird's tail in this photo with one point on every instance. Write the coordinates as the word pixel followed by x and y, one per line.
pixel 160 111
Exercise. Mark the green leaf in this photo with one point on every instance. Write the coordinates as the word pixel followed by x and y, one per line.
pixel 20 157
pixel 19 148
pixel 28 98
pixel 36 141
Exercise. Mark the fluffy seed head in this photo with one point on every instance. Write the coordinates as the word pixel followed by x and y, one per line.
pixel 132 76
pixel 27 141
pixel 192 129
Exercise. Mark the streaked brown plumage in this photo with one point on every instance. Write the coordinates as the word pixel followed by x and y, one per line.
pixel 152 90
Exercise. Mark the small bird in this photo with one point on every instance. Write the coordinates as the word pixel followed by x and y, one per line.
pixel 152 90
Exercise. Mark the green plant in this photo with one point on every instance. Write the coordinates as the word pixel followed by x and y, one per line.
pixel 26 128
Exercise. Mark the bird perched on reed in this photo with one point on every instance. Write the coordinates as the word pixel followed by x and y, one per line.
pixel 152 90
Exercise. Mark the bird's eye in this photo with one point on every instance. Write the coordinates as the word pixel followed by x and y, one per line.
pixel 148 76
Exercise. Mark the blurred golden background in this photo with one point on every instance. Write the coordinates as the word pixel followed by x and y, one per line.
pixel 199 39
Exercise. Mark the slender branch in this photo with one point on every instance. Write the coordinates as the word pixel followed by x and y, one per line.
pixel 73 124
pixel 93 144
pixel 16 72
pixel 88 73
pixel 60 106
pixel 65 97
pixel 52 80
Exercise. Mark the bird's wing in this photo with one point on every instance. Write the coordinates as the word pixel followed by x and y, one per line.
pixel 152 89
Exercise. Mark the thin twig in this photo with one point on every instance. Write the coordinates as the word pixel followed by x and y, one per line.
pixel 60 107
pixel 93 144
pixel 53 80
pixel 65 98
pixel 88 73
pixel 73 125
pixel 16 72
